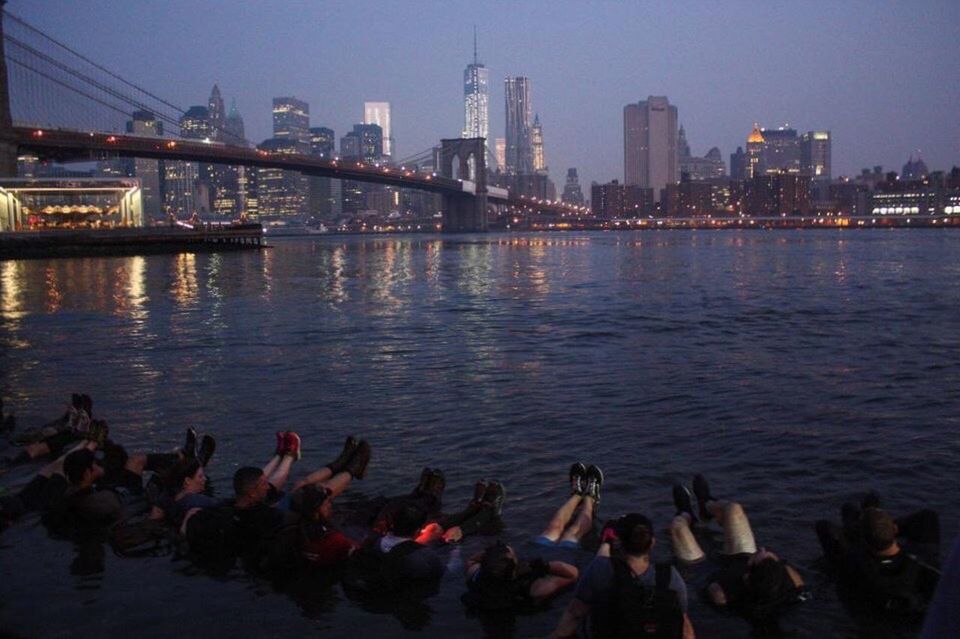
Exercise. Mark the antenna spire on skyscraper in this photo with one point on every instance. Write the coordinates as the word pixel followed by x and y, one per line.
pixel 474 44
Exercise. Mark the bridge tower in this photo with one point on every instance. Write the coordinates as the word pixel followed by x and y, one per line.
pixel 8 149
pixel 465 158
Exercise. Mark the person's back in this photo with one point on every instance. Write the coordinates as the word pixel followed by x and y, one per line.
pixel 642 605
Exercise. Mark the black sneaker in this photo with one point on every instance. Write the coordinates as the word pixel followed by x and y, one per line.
pixel 577 472
pixel 436 483
pixel 494 496
pixel 681 501
pixel 870 500
pixel 479 490
pixel 207 445
pixel 594 477
pixel 702 490
pixel 189 449
pixel 424 481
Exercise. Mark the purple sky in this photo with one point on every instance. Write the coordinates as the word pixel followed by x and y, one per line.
pixel 883 76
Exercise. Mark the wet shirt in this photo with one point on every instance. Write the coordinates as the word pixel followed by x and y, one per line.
pixel 177 509
pixel 423 564
pixel 730 578
pixel 597 584
pixel 92 505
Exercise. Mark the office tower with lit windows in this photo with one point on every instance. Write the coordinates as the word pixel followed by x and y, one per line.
pixel 476 98
pixel 738 164
pixel 755 162
pixel 815 155
pixel 285 193
pixel 519 112
pixel 572 193
pixel 536 145
pixel 324 200
pixel 781 150
pixel 379 113
pixel 184 191
pixel 650 137
pixel 500 153
pixel 150 172
pixel 291 120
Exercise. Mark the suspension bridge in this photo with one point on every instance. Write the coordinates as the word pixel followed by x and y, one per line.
pixel 58 104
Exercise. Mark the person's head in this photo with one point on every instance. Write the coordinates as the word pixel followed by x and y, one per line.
pixel 768 586
pixel 250 485
pixel 81 468
pixel 408 521
pixel 636 534
pixel 879 530
pixel 188 477
pixel 114 456
pixel 499 563
pixel 313 502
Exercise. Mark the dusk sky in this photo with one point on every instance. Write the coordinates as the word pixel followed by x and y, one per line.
pixel 883 77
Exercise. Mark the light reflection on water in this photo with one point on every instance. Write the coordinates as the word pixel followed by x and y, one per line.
pixel 790 366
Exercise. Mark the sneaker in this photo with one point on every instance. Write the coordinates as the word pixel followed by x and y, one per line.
pixel 293 444
pixel 479 490
pixel 494 496
pixel 189 448
pixel 424 481
pixel 207 445
pixel 340 463
pixel 577 471
pixel 98 431
pixel 357 466
pixel 281 443
pixel 682 502
pixel 436 483
pixel 594 477
pixel 702 490
pixel 870 500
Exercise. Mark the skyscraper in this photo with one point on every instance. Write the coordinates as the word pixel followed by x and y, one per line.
pixel 227 196
pixel 476 98
pixel 379 113
pixel 291 120
pixel 781 149
pixel 150 172
pixel 815 154
pixel 536 144
pixel 500 153
pixel 190 182
pixel 738 164
pixel 324 202
pixel 572 193
pixel 650 144
pixel 755 164
pixel 519 114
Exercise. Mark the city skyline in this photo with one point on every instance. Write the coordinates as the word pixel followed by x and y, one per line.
pixel 883 103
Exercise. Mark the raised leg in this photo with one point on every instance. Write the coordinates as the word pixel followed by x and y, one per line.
pixel 583 522
pixel 737 534
pixel 685 545
pixel 561 518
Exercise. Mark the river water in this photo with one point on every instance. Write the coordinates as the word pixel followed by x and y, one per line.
pixel 796 369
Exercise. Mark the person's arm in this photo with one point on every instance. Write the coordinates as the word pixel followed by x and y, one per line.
pixel 575 612
pixel 717 596
pixel 688 632
pixel 794 576
pixel 559 575
pixel 473 564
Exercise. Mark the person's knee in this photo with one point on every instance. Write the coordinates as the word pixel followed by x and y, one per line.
pixel 732 511
pixel 679 524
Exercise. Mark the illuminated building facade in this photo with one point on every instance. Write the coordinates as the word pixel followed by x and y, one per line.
pixel 536 144
pixel 650 137
pixel 379 113
pixel 285 193
pixel 150 172
pixel 781 150
pixel 291 120
pixel 476 99
pixel 815 151
pixel 324 203
pixel 754 165
pixel 572 193
pixel 500 151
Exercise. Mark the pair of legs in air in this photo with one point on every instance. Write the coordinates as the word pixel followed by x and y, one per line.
pixel 574 518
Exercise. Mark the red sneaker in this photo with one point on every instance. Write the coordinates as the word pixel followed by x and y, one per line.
pixel 293 444
pixel 281 443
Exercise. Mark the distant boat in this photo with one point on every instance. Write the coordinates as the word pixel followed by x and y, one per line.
pixel 294 230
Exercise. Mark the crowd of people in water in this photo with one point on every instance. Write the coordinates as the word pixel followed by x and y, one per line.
pixel 884 564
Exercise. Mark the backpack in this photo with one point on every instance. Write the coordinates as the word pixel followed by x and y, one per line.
pixel 638 610
pixel 374 572
pixel 897 590
pixel 213 537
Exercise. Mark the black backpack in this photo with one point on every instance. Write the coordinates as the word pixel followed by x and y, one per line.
pixel 638 610
pixel 374 572
pixel 214 538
